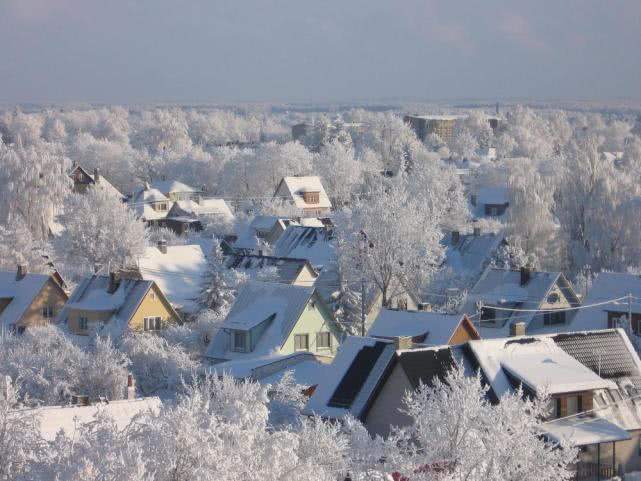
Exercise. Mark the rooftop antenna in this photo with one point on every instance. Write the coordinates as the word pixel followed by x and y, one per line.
pixel 497 108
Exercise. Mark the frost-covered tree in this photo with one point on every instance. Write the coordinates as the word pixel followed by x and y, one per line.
pixel 18 246
pixel 220 286
pixel 20 443
pixel 340 170
pixel 100 230
pixel 33 184
pixel 464 144
pixel 456 433
pixel 392 236
pixel 51 368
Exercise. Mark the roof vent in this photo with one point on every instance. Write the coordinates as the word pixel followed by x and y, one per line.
pixel 21 272
pixel 526 274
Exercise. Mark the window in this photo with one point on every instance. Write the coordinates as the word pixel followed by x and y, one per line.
pixel 152 323
pixel 83 322
pixel 301 342
pixel 239 341
pixel 323 340
pixel 311 197
pixel 553 318
pixel 47 312
pixel 620 319
pixel 573 405
pixel 553 298
pixel 488 315
pixel 494 211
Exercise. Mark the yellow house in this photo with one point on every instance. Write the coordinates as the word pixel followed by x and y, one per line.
pixel 28 300
pixel 114 305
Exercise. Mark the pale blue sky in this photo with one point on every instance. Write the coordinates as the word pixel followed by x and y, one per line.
pixel 137 51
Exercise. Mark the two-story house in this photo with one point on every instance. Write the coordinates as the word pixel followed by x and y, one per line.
pixel 591 378
pixel 306 193
pixel 82 180
pixel 28 299
pixel 114 304
pixel 150 204
pixel 541 300
pixel 175 190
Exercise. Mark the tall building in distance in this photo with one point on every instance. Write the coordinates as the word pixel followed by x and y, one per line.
pixel 424 125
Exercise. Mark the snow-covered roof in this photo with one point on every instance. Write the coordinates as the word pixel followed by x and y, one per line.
pixel 54 419
pixel 320 403
pixel 605 287
pixel 296 186
pixel 205 207
pixel 437 327
pixel 316 244
pixel 173 186
pixel 260 226
pixel 22 292
pixel 306 369
pixel 179 273
pixel 492 195
pixel 142 201
pixel 280 305
pixel 537 362
pixel 102 183
pixel 584 430
pixel 288 269
pixel 438 117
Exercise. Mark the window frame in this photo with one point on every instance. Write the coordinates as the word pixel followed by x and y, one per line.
pixel 48 312
pixel 152 323
pixel 83 323
pixel 297 338
pixel 234 345
pixel 322 336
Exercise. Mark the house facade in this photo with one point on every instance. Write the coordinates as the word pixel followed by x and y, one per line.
pixel 306 193
pixel 270 319
pixel 113 305
pixel 28 300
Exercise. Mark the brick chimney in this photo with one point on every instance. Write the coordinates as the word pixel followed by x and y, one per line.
pixel 162 246
pixel 526 274
pixel 403 342
pixel 131 386
pixel 96 175
pixel 114 282
pixel 21 272
pixel 517 329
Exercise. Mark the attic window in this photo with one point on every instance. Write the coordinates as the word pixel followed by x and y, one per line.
pixel 553 298
pixel 311 197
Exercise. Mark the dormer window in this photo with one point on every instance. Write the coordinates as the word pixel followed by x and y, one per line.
pixel 161 206
pixel 239 341
pixel 311 197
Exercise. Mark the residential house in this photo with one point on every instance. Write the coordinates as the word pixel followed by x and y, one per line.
pixel 298 272
pixel 211 210
pixel 306 193
pixel 115 304
pixel 490 201
pixel 262 228
pixel 593 377
pixel 28 300
pixel 82 180
pixel 178 271
pixel 269 320
pixel 507 297
pixel 425 125
pixel 150 204
pixel 612 290
pixel 423 328
pixel 175 191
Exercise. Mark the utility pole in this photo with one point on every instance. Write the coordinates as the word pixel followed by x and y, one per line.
pixel 362 247
pixel 630 313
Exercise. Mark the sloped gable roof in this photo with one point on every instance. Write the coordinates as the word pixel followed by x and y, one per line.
pixel 288 268
pixel 296 186
pixel 173 186
pixel 21 292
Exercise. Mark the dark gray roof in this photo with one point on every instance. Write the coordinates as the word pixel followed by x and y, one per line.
pixel 288 268
pixel 604 352
pixel 424 365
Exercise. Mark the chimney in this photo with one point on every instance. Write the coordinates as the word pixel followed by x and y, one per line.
pixel 21 272
pixel 403 342
pixel 131 386
pixel 162 246
pixel 424 306
pixel 517 329
pixel 114 282
pixel 163 177
pixel 456 237
pixel 477 231
pixel 525 275
pixel 80 400
pixel 260 252
pixel 96 175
